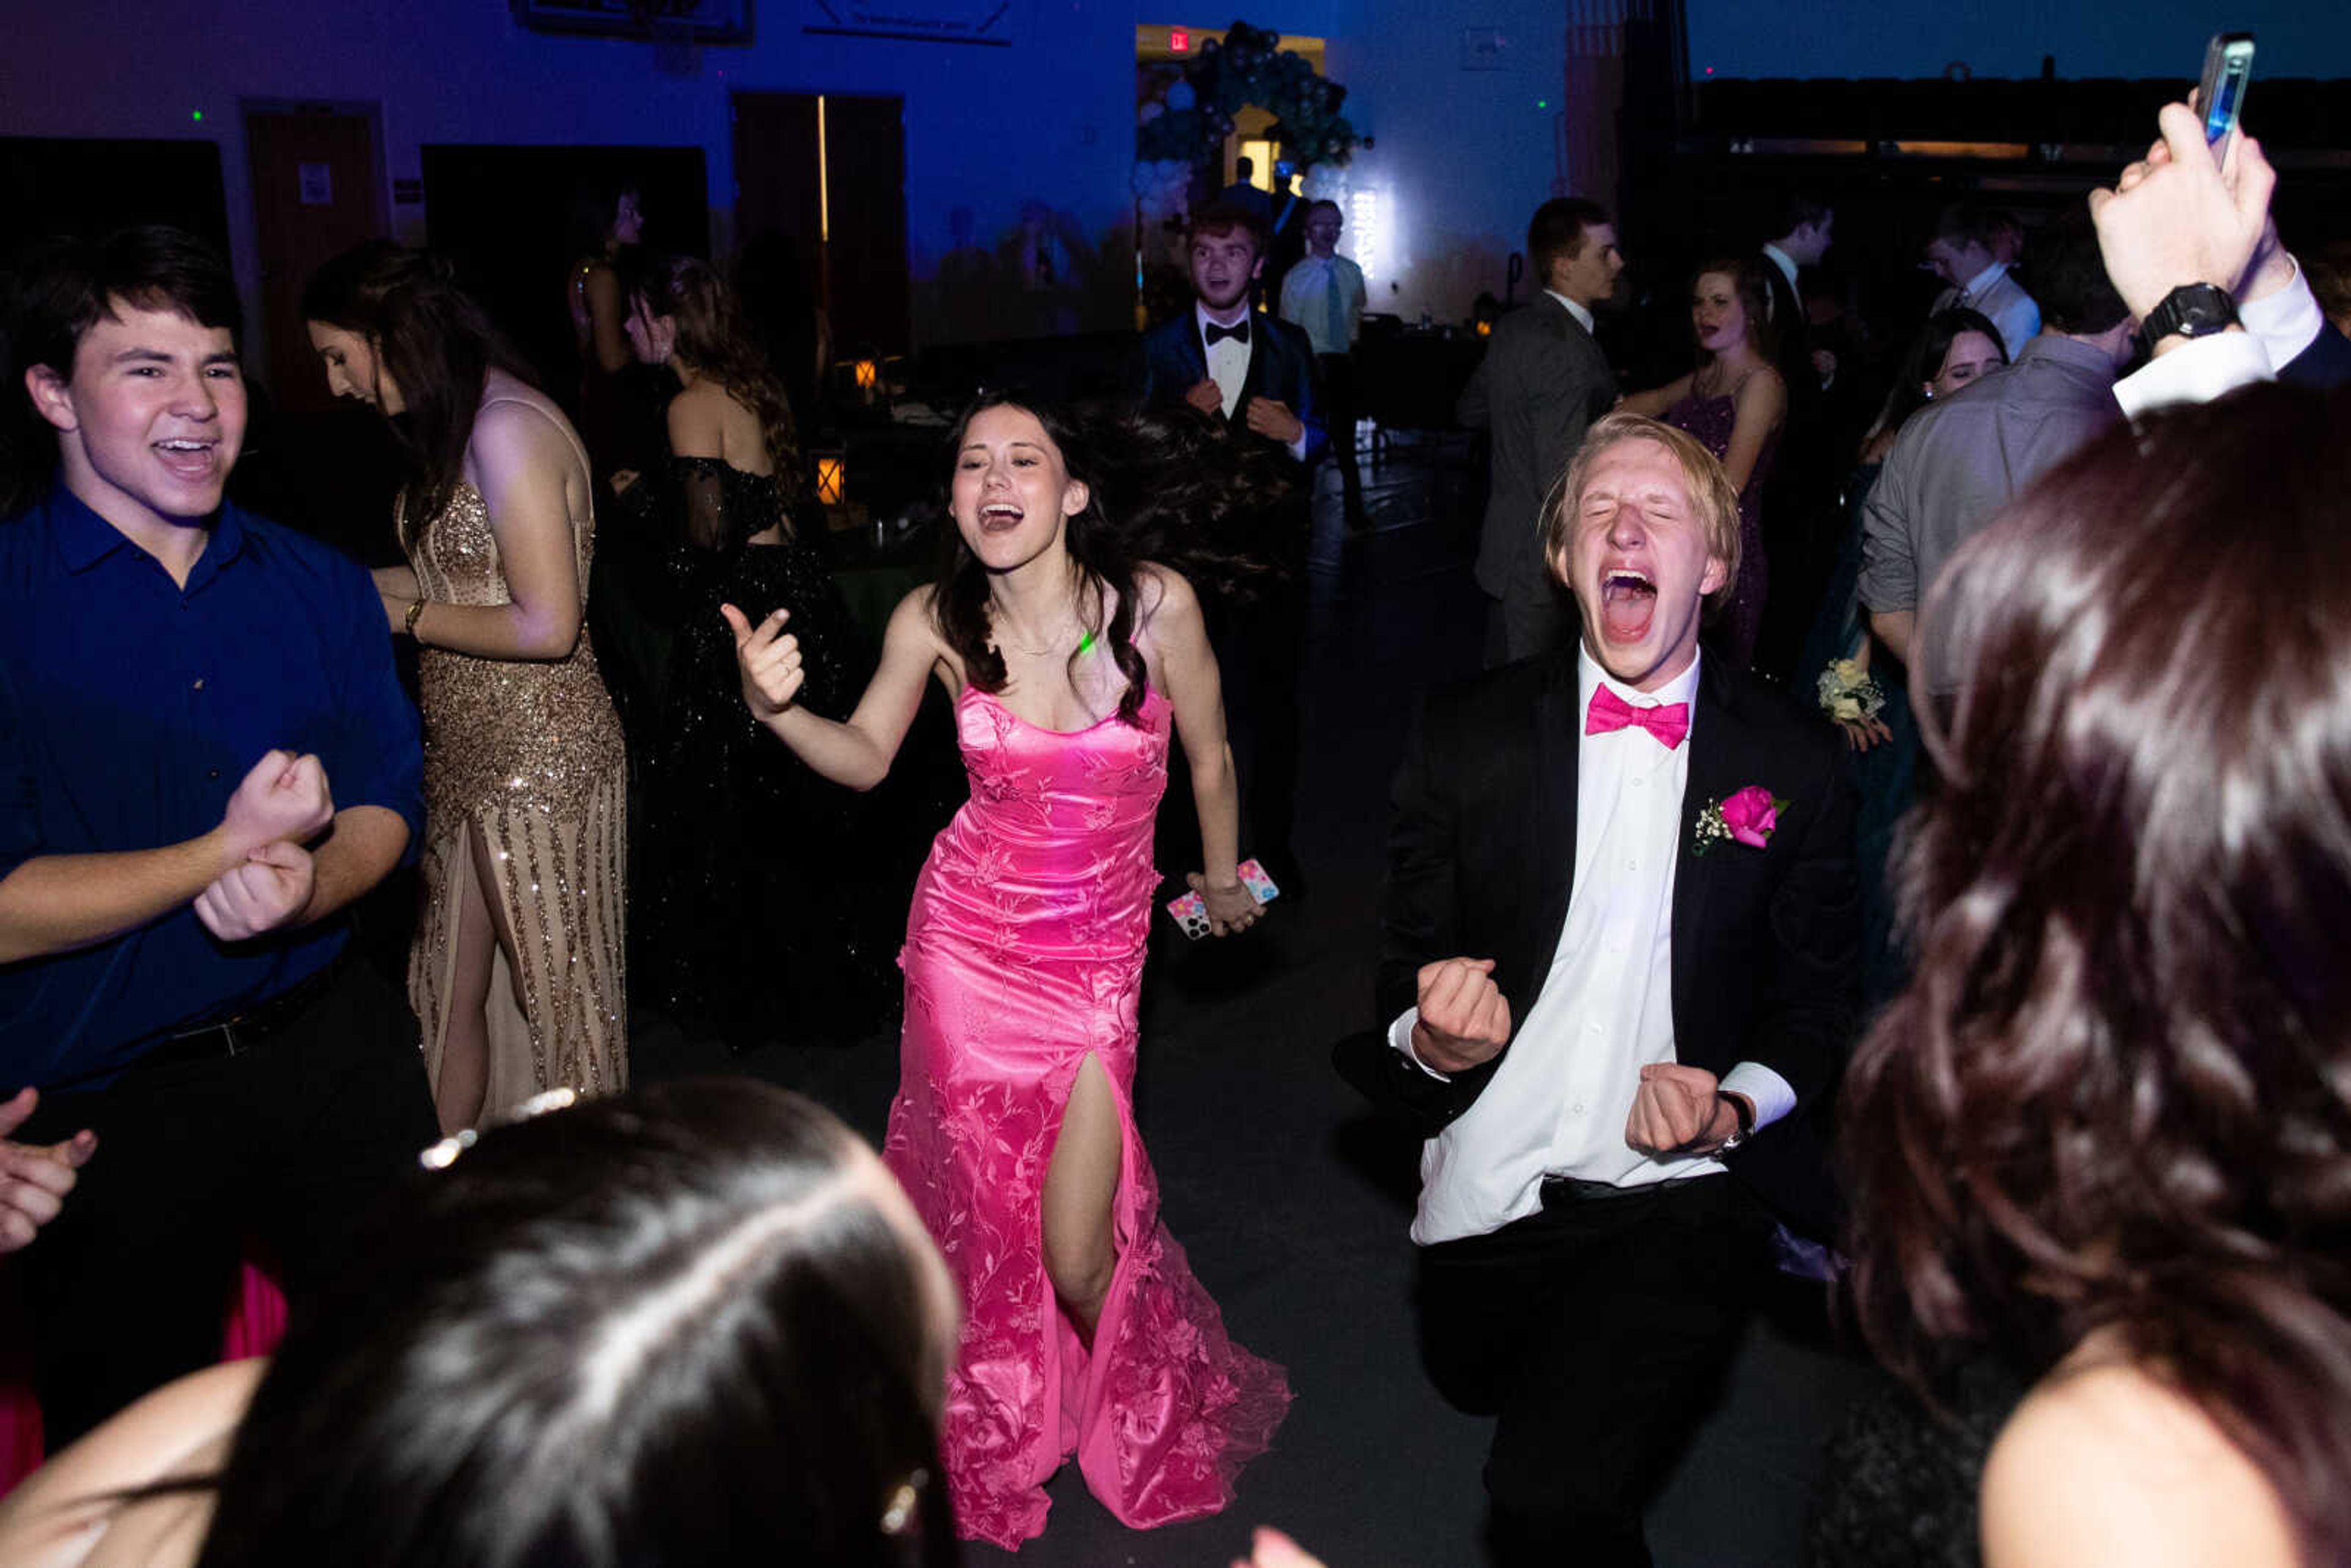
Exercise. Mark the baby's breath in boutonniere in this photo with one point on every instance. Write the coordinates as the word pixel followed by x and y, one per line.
pixel 1748 815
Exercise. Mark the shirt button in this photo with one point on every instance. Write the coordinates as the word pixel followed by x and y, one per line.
pixel 211 772
pixel 200 683
pixel 1579 1107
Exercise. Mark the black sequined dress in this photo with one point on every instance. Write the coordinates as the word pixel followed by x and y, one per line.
pixel 755 917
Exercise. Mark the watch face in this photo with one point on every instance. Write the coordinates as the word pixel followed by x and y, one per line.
pixel 2194 311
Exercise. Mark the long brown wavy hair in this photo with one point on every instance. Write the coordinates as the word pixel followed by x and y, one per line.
pixel 1172 491
pixel 436 345
pixel 712 337
pixel 2117 1095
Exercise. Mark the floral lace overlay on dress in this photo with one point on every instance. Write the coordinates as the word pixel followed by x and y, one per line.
pixel 1024 955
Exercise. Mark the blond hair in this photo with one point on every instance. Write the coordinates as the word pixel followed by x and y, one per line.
pixel 1710 492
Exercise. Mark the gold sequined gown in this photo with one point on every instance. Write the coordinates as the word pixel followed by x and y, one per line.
pixel 529 755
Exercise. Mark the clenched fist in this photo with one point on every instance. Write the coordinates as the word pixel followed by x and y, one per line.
pixel 1465 1019
pixel 282 799
pixel 270 889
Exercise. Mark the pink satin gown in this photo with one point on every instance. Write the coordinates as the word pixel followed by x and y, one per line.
pixel 1024 953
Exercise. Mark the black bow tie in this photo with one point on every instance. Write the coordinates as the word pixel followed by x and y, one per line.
pixel 1238 330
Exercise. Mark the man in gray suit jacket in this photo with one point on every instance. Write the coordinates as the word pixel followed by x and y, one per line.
pixel 1543 381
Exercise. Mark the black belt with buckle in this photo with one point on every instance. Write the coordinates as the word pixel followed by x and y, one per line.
pixel 252 1028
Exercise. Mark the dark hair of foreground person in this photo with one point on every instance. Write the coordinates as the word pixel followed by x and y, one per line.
pixel 2111 1118
pixel 675 1327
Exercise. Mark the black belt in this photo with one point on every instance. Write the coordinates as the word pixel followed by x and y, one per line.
pixel 1558 1190
pixel 252 1028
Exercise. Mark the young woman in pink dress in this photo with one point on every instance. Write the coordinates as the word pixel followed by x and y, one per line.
pixel 1068 653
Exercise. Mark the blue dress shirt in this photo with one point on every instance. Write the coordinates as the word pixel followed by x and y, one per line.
pixel 130 708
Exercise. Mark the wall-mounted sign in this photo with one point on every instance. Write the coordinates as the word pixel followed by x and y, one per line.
pixel 1483 48
pixel 317 184
pixel 944 21
pixel 670 21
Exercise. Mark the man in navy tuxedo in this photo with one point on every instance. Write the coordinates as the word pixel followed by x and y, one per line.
pixel 1255 375
pixel 1617 956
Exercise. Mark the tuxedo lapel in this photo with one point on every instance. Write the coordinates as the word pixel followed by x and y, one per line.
pixel 1551 823
pixel 1191 352
pixel 1718 749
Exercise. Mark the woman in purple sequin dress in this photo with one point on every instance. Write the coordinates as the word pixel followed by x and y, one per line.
pixel 1071 658
pixel 1735 403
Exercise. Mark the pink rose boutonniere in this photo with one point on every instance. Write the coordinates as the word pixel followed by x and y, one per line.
pixel 1748 815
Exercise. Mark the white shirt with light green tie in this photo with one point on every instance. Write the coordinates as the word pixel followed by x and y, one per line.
pixel 1325 296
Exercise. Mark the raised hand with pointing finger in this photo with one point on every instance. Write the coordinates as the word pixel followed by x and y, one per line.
pixel 769 661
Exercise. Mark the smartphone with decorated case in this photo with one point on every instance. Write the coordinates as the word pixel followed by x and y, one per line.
pixel 1191 911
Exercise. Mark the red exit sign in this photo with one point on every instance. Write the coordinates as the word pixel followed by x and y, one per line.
pixel 1179 40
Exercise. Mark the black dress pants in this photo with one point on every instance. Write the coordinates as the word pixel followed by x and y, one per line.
pixel 1595 1333
pixel 293 1142
pixel 1339 406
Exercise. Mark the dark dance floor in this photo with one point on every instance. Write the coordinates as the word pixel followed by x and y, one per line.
pixel 1292 1201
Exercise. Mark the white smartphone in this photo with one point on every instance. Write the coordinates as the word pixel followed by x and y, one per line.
pixel 2220 95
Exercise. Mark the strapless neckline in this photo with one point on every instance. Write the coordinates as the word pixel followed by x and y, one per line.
pixel 1150 695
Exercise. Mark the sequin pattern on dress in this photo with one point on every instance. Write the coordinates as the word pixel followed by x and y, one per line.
pixel 527 758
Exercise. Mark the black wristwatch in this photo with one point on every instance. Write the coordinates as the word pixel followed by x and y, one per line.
pixel 1745 1111
pixel 2192 310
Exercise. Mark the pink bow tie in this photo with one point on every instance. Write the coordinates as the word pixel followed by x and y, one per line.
pixel 1668 722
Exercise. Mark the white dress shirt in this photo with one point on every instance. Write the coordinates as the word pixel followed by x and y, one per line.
pixel 1993 293
pixel 1324 295
pixel 1582 313
pixel 1558 1103
pixel 2278 328
pixel 1228 360
pixel 1787 266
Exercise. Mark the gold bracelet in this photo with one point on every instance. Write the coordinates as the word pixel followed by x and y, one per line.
pixel 415 609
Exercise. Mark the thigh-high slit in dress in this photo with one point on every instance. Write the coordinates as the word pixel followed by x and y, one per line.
pixel 1024 956
pixel 528 755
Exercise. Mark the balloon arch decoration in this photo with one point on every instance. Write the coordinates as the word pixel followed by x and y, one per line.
pixel 1181 129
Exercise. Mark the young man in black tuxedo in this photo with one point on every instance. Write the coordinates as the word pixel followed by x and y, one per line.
pixel 1618 942
pixel 1255 375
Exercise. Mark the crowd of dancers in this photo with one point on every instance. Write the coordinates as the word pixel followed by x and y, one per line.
pixel 2095 1149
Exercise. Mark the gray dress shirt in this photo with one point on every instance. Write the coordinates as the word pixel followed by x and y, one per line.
pixel 1959 461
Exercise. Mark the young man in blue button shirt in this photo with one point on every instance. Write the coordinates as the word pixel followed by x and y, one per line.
pixel 204 758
